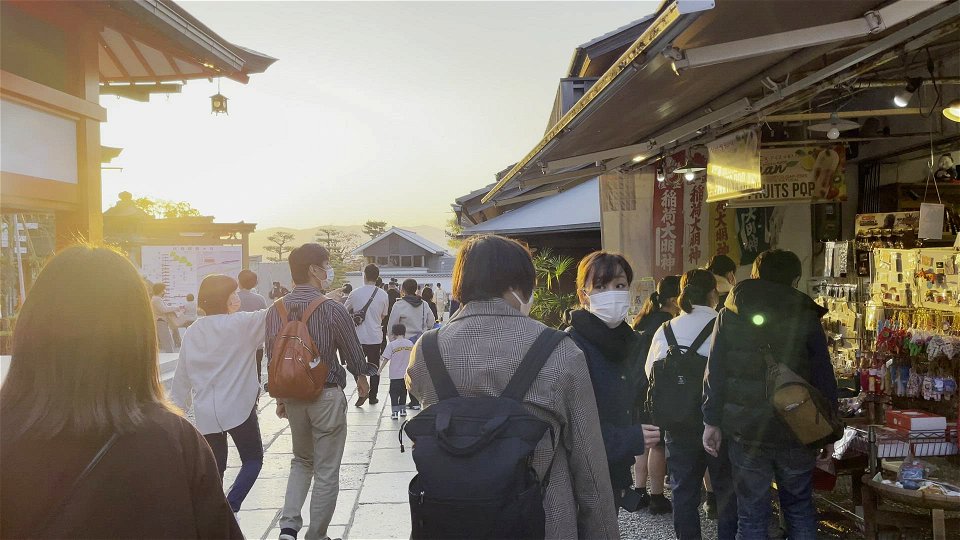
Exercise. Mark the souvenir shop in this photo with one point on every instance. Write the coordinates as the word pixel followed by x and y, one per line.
pixel 892 291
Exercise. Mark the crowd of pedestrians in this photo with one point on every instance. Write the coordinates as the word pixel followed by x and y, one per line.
pixel 84 411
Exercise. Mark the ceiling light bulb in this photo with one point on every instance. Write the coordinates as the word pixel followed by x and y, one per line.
pixel 638 159
pixel 952 111
pixel 903 97
pixel 833 133
pixel 689 176
pixel 661 176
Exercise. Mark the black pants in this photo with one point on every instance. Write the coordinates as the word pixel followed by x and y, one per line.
pixel 260 366
pixel 687 462
pixel 372 352
pixel 398 394
pixel 250 447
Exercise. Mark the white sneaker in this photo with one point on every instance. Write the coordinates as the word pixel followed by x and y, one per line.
pixel 287 537
pixel 403 412
pixel 394 416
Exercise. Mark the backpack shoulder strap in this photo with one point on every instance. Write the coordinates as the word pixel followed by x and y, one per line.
pixel 281 310
pixel 668 333
pixel 311 308
pixel 702 336
pixel 532 363
pixel 442 382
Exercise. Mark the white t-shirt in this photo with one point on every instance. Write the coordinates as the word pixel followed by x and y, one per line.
pixel 397 354
pixel 686 327
pixel 371 331
pixel 217 369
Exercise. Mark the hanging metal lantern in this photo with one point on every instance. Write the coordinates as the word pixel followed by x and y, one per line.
pixel 218 104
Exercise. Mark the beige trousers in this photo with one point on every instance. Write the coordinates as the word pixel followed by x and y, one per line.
pixel 319 432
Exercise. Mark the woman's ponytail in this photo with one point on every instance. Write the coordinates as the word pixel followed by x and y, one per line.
pixel 695 288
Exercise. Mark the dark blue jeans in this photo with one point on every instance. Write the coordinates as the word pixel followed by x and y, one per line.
pixel 250 447
pixel 687 462
pixel 754 469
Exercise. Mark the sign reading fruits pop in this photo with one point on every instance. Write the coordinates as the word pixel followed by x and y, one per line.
pixel 809 174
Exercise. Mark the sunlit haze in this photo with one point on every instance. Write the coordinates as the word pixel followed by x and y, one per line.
pixel 382 111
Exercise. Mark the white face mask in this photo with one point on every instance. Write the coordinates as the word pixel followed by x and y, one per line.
pixel 524 306
pixel 611 307
pixel 325 283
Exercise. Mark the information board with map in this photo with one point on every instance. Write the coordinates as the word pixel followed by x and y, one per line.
pixel 182 268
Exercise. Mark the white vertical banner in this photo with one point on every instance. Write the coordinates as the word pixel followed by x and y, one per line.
pixel 696 225
pixel 626 207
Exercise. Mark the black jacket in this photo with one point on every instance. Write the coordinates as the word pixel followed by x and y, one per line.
pixel 757 313
pixel 616 370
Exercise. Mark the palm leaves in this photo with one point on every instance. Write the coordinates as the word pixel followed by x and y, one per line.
pixel 549 304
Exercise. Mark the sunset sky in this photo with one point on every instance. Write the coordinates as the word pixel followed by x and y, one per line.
pixel 373 111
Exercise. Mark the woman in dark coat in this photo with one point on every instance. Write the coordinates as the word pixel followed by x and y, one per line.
pixel 613 353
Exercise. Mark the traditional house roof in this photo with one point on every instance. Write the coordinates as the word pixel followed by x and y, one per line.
pixel 407 235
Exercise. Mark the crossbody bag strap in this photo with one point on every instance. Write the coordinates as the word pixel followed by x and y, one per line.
pixel 363 310
pixel 532 363
pixel 442 382
pixel 57 510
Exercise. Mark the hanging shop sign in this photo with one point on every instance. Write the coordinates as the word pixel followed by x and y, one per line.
pixel 668 221
pixel 696 230
pixel 809 174
pixel 887 220
pixel 733 169
pixel 723 231
pixel 753 232
pixel 626 206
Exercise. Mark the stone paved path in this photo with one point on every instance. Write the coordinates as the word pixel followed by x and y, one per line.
pixel 373 477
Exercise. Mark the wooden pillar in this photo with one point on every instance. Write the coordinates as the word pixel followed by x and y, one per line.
pixel 86 222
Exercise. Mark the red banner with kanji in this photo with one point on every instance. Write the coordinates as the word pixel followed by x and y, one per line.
pixel 668 218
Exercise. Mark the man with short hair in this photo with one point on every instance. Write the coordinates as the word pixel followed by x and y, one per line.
pixel 766 311
pixel 374 303
pixel 251 300
pixel 319 428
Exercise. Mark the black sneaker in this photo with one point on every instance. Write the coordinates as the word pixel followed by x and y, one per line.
pixel 374 401
pixel 414 407
pixel 288 534
pixel 660 505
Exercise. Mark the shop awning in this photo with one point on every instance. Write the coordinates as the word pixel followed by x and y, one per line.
pixel 576 209
pixel 641 100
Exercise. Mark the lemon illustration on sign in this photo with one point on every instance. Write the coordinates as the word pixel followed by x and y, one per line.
pixel 807 162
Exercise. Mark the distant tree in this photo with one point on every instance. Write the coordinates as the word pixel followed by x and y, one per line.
pixel 339 243
pixel 453 231
pixel 280 240
pixel 374 229
pixel 162 209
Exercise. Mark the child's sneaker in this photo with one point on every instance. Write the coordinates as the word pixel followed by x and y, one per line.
pixel 395 415
pixel 403 412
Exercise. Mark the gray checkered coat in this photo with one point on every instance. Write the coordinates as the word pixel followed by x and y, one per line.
pixel 482 347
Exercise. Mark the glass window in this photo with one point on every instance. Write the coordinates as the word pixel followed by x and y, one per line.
pixel 406 261
pixel 418 261
pixel 394 260
pixel 382 261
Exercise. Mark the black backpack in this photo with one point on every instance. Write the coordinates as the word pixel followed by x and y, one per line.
pixel 474 455
pixel 676 384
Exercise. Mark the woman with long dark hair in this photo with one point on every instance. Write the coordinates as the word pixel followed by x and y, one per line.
pixel 218 374
pixel 88 446
pixel 613 352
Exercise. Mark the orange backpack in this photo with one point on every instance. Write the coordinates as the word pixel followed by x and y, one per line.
pixel 289 371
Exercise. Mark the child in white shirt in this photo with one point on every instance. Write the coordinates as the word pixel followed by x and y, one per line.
pixel 397 354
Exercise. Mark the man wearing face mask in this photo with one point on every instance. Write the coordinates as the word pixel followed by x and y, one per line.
pixel 615 359
pixel 319 428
